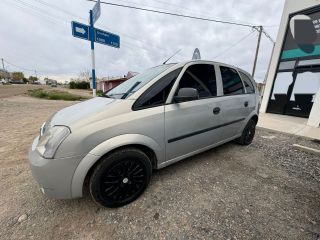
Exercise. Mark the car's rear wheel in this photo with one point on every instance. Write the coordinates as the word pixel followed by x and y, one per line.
pixel 248 133
pixel 121 177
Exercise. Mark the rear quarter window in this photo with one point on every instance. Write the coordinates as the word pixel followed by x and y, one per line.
pixel 247 82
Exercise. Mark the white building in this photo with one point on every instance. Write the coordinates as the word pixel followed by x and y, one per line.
pixel 293 82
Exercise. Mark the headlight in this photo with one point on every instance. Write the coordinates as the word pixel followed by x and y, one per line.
pixel 51 139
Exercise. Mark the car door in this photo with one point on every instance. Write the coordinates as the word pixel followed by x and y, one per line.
pixel 250 92
pixel 234 102
pixel 191 126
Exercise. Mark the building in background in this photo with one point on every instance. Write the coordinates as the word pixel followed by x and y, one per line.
pixel 4 74
pixel 107 83
pixel 50 81
pixel 293 83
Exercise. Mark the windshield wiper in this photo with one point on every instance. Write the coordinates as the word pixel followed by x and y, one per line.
pixel 106 95
pixel 130 90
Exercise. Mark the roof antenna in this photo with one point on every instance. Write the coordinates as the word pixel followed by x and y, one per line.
pixel 171 56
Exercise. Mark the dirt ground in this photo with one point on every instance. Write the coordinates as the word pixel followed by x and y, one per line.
pixel 267 190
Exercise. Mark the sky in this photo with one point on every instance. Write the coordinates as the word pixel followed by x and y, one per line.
pixel 36 35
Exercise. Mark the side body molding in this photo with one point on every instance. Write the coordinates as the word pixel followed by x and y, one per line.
pixel 95 154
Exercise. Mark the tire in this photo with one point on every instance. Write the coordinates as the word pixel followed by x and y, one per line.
pixel 120 178
pixel 247 133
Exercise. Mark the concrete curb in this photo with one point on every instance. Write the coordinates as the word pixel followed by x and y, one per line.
pixel 307 149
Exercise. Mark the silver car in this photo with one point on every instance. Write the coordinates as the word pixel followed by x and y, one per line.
pixel 168 113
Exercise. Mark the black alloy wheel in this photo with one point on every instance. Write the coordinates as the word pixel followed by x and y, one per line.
pixel 248 133
pixel 121 177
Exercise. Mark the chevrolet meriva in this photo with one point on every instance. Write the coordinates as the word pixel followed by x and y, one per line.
pixel 168 113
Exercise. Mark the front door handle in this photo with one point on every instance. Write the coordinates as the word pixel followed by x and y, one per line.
pixel 246 104
pixel 216 110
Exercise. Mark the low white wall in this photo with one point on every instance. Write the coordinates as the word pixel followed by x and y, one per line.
pixel 314 118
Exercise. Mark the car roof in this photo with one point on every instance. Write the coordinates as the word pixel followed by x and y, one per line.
pixel 183 63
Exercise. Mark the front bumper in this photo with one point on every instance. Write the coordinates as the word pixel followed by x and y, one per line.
pixel 53 175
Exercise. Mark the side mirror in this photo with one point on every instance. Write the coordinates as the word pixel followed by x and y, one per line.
pixel 186 94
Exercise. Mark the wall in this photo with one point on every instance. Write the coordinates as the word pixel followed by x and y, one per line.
pixel 290 6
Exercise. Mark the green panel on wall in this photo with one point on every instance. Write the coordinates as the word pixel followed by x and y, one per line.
pixel 295 53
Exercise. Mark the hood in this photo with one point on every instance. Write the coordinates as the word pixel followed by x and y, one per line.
pixel 69 115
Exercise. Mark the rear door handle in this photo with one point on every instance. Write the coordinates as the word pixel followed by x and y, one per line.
pixel 216 110
pixel 246 104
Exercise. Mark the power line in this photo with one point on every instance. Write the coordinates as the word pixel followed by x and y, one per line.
pixel 175 14
pixel 186 16
pixel 33 12
pixel 179 7
pixel 267 35
pixel 36 11
pixel 233 45
pixel 39 10
pixel 32 70
pixel 127 44
pixel 17 66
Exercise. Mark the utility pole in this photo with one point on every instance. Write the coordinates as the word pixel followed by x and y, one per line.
pixel 2 63
pixel 259 29
pixel 267 74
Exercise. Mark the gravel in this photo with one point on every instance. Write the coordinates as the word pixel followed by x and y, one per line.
pixel 267 190
pixel 22 218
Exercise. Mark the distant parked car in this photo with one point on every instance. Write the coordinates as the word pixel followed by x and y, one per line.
pixel 16 81
pixel 3 81
pixel 168 113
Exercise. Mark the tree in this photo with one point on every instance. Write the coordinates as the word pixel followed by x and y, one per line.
pixel 84 76
pixel 32 79
pixel 16 76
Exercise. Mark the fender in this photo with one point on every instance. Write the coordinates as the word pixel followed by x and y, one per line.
pixel 253 113
pixel 95 154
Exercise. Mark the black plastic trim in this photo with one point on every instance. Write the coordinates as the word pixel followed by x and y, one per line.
pixel 203 131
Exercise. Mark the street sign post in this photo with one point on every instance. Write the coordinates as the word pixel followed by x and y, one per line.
pixel 83 31
pixel 107 38
pixel 94 89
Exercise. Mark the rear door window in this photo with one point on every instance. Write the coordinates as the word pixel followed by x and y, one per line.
pixel 232 84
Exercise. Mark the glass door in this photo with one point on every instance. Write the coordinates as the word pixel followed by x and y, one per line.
pixel 305 85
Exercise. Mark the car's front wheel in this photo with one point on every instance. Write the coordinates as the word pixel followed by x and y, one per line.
pixel 121 177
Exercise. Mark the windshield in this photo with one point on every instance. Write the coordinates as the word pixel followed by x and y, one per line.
pixel 132 85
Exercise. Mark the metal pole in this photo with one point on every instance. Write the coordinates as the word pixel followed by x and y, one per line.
pixel 2 63
pixel 267 74
pixel 94 91
pixel 257 51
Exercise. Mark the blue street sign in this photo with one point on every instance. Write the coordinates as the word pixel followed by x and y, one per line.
pixel 96 11
pixel 106 38
pixel 80 30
